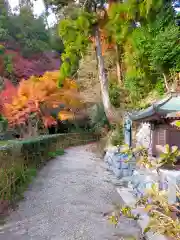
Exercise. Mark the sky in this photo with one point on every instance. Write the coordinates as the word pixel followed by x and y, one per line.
pixel 38 9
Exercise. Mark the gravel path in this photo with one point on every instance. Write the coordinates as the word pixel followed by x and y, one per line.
pixel 67 201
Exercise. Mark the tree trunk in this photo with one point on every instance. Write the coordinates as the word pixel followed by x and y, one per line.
pixel 23 132
pixel 166 82
pixel 119 64
pixel 103 77
pixel 46 19
pixel 30 129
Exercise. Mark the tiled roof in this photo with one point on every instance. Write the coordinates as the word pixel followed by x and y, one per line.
pixel 162 108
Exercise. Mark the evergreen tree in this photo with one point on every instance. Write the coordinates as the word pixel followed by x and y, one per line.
pixel 138 29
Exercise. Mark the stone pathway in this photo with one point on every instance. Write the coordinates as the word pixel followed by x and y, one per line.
pixel 67 201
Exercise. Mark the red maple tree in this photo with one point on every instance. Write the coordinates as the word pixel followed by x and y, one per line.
pixel 36 97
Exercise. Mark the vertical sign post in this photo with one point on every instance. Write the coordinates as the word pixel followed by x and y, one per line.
pixel 128 132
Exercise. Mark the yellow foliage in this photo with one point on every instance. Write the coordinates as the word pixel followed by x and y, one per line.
pixel 64 115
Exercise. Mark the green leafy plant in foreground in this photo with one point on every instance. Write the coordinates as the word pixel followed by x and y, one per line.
pixel 170 155
pixel 114 93
pixel 154 202
pixel 156 205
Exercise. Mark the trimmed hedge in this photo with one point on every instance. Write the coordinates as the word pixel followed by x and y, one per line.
pixel 20 159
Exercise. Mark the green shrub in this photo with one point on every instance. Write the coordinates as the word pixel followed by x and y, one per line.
pixel 114 93
pixel 98 118
pixel 3 124
pixel 2 49
pixel 118 136
pixel 159 87
pixel 8 64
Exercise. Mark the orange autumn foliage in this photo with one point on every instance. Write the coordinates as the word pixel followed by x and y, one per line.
pixel 40 95
pixel 64 115
pixel 105 44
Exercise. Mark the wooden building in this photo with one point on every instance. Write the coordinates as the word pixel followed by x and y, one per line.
pixel 161 115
